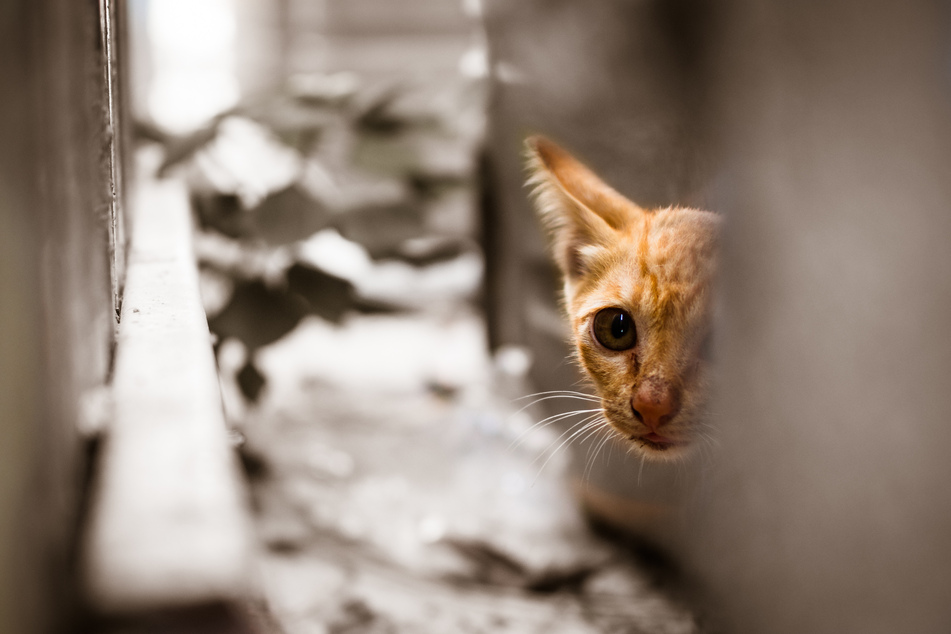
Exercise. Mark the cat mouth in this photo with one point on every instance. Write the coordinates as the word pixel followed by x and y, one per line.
pixel 658 442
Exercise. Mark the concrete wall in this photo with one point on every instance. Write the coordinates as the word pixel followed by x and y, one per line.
pixel 829 509
pixel 57 310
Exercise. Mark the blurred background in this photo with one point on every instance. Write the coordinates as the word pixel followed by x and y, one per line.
pixel 402 446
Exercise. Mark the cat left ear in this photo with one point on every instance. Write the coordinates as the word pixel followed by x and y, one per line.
pixel 579 208
pixel 579 183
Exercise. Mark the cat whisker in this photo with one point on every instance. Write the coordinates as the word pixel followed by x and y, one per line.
pixel 710 445
pixel 588 423
pixel 707 433
pixel 584 424
pixel 544 396
pixel 555 452
pixel 588 457
pixel 568 392
pixel 590 399
pixel 590 460
pixel 682 470
pixel 596 427
pixel 592 429
pixel 712 440
pixel 706 453
pixel 545 422
pixel 590 449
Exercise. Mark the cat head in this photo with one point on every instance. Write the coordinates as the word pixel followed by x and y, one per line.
pixel 638 294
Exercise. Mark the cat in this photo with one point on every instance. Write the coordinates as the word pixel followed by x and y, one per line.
pixel 638 294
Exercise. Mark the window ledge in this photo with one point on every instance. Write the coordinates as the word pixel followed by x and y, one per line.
pixel 170 524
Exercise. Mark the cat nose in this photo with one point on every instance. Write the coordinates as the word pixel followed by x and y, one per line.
pixel 655 403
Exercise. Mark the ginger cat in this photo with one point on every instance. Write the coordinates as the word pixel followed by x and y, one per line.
pixel 637 291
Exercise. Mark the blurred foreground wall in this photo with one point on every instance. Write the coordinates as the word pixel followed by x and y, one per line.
pixel 57 291
pixel 829 510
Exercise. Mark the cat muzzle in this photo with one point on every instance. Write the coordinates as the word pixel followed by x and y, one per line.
pixel 655 403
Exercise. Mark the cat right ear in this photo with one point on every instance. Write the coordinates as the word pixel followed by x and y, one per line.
pixel 581 211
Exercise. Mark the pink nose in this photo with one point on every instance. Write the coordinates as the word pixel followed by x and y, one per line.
pixel 655 403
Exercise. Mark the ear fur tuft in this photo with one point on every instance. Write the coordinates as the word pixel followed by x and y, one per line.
pixel 578 208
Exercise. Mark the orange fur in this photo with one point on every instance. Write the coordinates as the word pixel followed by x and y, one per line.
pixel 658 265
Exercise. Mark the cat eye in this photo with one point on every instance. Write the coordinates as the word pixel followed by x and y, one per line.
pixel 614 329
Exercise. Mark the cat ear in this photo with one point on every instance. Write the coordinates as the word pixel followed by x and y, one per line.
pixel 582 212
